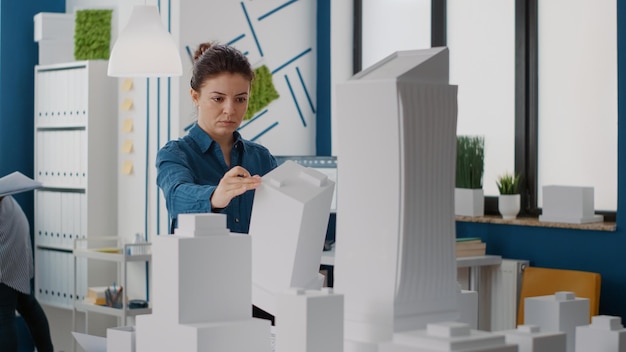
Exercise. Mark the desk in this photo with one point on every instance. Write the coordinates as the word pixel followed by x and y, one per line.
pixel 473 263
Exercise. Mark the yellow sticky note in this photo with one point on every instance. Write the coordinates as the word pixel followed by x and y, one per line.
pixel 127 85
pixel 127 126
pixel 127 147
pixel 127 168
pixel 127 104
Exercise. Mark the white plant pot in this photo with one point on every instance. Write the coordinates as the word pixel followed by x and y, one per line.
pixel 509 205
pixel 469 202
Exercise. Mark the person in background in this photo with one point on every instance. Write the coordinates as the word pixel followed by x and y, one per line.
pixel 16 271
pixel 212 168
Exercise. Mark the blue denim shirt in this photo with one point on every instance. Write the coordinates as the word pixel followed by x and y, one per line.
pixel 190 168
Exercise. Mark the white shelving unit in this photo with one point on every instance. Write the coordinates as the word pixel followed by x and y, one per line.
pixel 111 251
pixel 76 160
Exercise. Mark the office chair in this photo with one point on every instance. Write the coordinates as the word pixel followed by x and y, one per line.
pixel 538 281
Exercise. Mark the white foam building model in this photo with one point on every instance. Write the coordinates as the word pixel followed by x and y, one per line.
pixel 395 260
pixel 568 204
pixel 561 312
pixel 309 321
pixel 605 334
pixel 530 338
pixel 447 336
pixel 288 227
pixel 468 308
pixel 197 304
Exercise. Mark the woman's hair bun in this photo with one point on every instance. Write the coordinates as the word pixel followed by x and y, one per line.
pixel 200 50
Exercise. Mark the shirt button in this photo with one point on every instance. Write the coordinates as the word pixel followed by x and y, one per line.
pixel 237 220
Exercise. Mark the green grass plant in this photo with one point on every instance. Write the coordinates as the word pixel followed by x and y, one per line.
pixel 470 158
pixel 508 184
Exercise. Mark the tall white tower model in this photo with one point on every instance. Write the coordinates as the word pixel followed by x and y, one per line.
pixel 288 227
pixel 395 260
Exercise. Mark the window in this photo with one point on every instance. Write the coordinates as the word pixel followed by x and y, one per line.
pixel 520 66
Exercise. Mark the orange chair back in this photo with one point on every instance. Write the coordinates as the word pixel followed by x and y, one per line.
pixel 538 281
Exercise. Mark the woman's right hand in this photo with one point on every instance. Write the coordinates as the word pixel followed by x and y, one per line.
pixel 235 182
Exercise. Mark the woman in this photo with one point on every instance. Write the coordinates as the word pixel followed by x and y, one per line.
pixel 212 169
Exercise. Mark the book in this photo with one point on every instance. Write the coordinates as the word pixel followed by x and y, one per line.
pixel 17 182
pixel 470 247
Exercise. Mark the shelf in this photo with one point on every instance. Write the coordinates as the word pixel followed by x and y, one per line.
pixel 42 126
pixel 117 312
pixel 523 221
pixel 111 257
pixel 483 260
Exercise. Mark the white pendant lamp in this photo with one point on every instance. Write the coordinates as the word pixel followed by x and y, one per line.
pixel 145 48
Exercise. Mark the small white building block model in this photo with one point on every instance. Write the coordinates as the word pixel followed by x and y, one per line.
pixel 54 33
pixel 447 336
pixel 309 321
pixel 561 312
pixel 529 338
pixel 569 204
pixel 395 258
pixel 121 339
pixel 468 308
pixel 288 227
pixel 202 291
pixel 605 334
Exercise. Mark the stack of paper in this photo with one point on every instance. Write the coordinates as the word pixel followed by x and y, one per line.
pixel 17 183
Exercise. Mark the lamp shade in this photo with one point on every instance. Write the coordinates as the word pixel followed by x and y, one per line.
pixel 145 48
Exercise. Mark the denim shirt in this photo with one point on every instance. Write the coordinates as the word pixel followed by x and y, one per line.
pixel 190 168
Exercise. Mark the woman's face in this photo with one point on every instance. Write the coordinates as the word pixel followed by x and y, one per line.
pixel 222 102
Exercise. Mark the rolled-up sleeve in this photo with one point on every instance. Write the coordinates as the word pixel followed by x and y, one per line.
pixel 176 179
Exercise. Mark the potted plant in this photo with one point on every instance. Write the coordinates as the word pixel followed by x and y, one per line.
pixel 469 198
pixel 509 199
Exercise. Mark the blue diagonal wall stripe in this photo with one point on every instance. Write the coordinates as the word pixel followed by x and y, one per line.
pixel 276 9
pixel 306 91
pixel 295 101
pixel 291 60
pixel 256 40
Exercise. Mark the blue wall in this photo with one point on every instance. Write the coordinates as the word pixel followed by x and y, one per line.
pixel 597 251
pixel 18 56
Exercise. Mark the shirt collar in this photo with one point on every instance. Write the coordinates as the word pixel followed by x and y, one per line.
pixel 205 141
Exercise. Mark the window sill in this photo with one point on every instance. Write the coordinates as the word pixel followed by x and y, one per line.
pixel 529 221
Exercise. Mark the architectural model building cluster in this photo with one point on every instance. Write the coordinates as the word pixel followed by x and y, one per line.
pixel 395 277
pixel 198 305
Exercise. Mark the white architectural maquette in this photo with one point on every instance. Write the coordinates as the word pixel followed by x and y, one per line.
pixel 309 321
pixel 288 227
pixel 530 338
pixel 561 312
pixel 197 305
pixel 447 337
pixel 395 257
pixel 605 334
pixel 569 204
